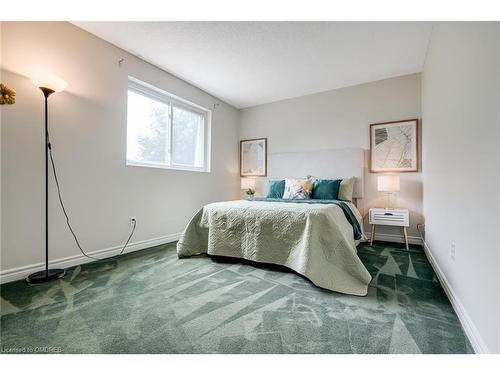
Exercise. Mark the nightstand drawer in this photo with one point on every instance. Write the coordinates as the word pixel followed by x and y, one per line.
pixel 398 218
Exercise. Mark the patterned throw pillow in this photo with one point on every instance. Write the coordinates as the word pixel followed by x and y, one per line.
pixel 298 189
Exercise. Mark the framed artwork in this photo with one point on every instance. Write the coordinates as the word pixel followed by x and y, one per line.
pixel 253 157
pixel 394 146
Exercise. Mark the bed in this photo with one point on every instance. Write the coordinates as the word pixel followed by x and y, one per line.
pixel 315 238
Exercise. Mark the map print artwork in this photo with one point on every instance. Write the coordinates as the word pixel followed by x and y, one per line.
pixel 394 146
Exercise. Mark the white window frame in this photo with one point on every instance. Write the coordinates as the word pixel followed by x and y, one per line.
pixel 160 95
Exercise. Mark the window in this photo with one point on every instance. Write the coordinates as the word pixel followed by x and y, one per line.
pixel 165 131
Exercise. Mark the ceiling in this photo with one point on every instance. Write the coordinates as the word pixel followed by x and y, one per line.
pixel 251 63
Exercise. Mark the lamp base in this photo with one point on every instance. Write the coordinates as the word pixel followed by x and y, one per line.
pixel 42 277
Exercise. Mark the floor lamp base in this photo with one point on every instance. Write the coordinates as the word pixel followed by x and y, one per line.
pixel 42 277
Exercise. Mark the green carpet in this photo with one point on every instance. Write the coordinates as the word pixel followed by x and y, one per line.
pixel 152 302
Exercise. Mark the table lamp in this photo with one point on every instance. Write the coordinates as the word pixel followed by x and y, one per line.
pixel 388 184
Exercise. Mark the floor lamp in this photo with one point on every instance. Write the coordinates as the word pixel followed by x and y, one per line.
pixel 49 85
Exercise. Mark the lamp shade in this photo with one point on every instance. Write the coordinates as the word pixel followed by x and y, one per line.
pixel 48 80
pixel 388 183
pixel 247 183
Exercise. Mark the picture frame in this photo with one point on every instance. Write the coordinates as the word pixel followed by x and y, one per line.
pixel 394 146
pixel 253 157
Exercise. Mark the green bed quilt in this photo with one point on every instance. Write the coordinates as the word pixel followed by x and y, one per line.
pixel 315 240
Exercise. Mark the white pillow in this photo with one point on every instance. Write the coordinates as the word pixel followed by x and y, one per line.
pixel 346 189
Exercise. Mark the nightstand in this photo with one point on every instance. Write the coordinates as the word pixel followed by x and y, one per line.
pixel 393 217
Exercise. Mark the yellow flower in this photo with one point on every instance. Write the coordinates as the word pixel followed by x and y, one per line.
pixel 7 94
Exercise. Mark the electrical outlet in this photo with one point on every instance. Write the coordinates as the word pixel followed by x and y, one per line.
pixel 452 251
pixel 133 220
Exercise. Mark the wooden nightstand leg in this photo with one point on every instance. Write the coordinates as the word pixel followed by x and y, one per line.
pixel 372 237
pixel 406 237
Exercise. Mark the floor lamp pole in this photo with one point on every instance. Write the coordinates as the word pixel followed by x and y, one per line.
pixel 46 183
pixel 47 274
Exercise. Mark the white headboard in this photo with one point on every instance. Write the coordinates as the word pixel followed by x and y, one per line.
pixel 335 163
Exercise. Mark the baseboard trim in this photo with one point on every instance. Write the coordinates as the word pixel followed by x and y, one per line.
pixel 415 240
pixel 20 273
pixel 470 329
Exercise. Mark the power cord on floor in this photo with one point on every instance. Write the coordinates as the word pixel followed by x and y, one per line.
pixel 421 231
pixel 66 214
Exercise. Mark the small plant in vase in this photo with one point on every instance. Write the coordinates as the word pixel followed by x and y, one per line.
pixel 250 192
pixel 248 186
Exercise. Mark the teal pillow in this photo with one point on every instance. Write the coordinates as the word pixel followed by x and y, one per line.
pixel 326 189
pixel 276 189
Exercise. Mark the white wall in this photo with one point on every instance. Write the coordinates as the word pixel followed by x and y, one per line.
pixel 340 119
pixel 88 131
pixel 460 104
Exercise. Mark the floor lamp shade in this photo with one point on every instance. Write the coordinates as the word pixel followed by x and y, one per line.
pixel 48 84
pixel 49 81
